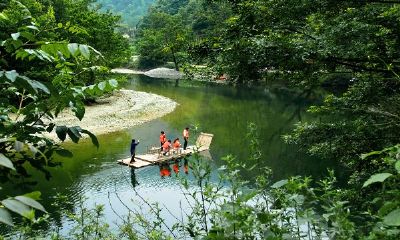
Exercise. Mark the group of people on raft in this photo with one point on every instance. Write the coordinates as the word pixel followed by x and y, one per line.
pixel 166 145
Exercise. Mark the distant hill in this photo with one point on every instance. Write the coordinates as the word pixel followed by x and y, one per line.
pixel 130 10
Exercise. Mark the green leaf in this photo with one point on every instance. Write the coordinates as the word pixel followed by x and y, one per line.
pixel 2 140
pixel 17 43
pixel 23 82
pixel 15 36
pixel 12 75
pixel 393 218
pixel 79 109
pixel 33 149
pixel 380 177
pixel 74 134
pixel 61 132
pixel 38 85
pixel 16 206
pixel 28 36
pixel 93 137
pixel 365 155
pixel 101 85
pixel 50 127
pixel 397 166
pixel 113 83
pixel 5 162
pixel 29 215
pixel 35 195
pixel 64 153
pixel 30 202
pixel 84 49
pixel 3 16
pixel 32 27
pixel 18 146
pixel 279 183
pixel 5 217
pixel 95 51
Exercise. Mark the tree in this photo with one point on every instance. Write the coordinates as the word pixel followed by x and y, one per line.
pixel 161 37
pixel 38 81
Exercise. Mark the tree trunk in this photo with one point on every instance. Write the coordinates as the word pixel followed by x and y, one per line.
pixel 176 66
pixel 174 59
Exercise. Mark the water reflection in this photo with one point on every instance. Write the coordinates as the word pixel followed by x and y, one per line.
pixel 176 167
pixel 134 181
pixel 186 166
pixel 165 170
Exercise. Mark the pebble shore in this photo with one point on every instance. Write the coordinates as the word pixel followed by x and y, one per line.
pixel 124 109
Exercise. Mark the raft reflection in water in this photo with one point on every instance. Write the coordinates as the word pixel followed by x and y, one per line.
pixel 165 168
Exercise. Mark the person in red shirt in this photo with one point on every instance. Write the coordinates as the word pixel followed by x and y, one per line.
pixel 163 139
pixel 166 147
pixel 176 145
pixel 185 137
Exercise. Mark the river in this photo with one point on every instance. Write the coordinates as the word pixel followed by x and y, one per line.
pixel 93 177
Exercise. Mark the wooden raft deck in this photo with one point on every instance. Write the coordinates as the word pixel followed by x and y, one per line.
pixel 154 157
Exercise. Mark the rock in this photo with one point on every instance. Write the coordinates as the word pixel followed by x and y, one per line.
pixel 164 73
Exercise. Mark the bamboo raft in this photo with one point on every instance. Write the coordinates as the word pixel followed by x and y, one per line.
pixel 153 155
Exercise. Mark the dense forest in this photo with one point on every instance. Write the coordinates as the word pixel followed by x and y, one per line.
pixel 56 54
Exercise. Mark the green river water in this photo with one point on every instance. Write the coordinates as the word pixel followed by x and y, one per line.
pixel 93 175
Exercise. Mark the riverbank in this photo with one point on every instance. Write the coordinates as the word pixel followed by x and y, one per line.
pixel 154 73
pixel 169 73
pixel 124 109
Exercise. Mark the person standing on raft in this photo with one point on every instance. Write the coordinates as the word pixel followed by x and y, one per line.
pixel 163 139
pixel 133 150
pixel 185 137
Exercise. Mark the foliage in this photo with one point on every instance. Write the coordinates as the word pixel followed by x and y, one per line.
pixel 234 208
pixel 41 74
pixel 23 205
pixel 162 39
pixel 79 22
pixel 178 31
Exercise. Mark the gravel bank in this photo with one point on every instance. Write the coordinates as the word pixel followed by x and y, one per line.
pixel 164 73
pixel 126 71
pixel 155 73
pixel 124 109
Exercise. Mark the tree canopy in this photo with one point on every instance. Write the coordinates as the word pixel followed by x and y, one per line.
pixel 47 64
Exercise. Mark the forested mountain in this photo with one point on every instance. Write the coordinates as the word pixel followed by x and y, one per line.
pixel 131 11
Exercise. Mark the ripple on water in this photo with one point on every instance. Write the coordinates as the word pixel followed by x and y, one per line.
pixel 113 178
